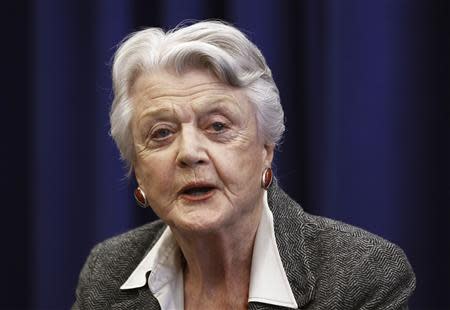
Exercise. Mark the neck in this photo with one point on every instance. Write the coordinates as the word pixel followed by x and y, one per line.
pixel 218 263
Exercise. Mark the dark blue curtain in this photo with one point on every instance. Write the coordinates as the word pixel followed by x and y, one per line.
pixel 364 84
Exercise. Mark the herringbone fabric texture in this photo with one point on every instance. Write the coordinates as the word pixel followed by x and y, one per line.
pixel 329 265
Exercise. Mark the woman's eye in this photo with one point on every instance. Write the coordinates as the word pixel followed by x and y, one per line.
pixel 161 133
pixel 218 126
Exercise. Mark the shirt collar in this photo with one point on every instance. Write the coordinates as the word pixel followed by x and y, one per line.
pixel 268 280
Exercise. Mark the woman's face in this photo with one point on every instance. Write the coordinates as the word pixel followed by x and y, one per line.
pixel 199 155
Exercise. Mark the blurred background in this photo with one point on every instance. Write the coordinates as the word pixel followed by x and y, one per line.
pixel 366 91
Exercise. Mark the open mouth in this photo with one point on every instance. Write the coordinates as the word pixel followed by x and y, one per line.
pixel 197 192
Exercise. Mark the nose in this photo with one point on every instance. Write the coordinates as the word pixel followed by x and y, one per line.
pixel 191 148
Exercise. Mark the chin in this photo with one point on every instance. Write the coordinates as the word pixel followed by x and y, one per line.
pixel 201 223
pixel 200 217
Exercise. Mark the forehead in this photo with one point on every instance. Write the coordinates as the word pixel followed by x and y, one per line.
pixel 195 87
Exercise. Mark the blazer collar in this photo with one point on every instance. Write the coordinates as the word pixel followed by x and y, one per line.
pixel 290 235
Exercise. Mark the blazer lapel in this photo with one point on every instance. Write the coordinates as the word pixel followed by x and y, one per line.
pixel 140 298
pixel 290 235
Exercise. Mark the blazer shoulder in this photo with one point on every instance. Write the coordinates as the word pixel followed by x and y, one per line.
pixel 119 255
pixel 374 272
pixel 325 227
pixel 345 267
pixel 110 263
pixel 140 237
pixel 329 235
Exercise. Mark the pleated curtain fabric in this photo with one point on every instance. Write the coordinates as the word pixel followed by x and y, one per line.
pixel 364 86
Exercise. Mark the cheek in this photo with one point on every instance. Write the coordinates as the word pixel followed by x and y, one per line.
pixel 157 178
pixel 239 168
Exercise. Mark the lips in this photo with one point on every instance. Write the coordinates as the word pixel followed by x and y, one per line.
pixel 197 191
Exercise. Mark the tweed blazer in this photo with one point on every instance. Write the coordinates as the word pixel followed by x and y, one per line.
pixel 329 265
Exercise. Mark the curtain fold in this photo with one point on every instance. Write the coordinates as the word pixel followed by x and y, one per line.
pixel 365 88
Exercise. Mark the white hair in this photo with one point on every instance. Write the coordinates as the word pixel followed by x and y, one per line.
pixel 213 45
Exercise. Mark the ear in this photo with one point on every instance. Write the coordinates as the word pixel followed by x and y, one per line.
pixel 268 154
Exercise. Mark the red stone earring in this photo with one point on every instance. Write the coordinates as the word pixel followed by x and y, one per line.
pixel 140 198
pixel 267 177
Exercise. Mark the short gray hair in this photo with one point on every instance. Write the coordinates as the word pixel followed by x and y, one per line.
pixel 213 45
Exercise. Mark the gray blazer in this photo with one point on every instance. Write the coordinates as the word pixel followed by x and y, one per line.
pixel 329 265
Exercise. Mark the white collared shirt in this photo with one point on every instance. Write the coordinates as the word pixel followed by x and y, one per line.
pixel 268 280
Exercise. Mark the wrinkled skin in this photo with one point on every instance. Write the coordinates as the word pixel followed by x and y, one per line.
pixel 193 128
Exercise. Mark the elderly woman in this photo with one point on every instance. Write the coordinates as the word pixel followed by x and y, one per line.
pixel 197 117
